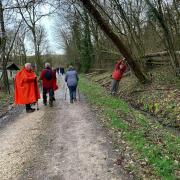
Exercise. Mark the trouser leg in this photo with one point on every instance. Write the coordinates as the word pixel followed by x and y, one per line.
pixel 51 94
pixel 71 93
pixel 117 87
pixel 28 106
pixel 74 92
pixel 44 96
pixel 114 86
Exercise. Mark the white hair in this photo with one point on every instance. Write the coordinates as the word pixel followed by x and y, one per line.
pixel 47 65
pixel 27 65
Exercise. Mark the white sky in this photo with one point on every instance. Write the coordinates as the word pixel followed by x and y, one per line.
pixel 49 24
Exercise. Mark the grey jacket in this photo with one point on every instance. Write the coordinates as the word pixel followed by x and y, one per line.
pixel 71 77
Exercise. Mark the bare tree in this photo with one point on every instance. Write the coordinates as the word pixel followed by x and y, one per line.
pixel 3 48
pixel 108 31
pixel 158 12
pixel 32 15
pixel 19 51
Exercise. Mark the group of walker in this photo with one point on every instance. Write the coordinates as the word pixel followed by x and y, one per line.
pixel 27 89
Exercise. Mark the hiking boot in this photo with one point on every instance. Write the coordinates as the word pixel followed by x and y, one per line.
pixel 30 110
pixel 113 93
pixel 50 102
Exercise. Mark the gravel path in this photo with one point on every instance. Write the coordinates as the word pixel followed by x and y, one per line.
pixel 60 143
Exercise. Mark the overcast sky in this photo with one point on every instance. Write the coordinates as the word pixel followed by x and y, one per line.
pixel 49 24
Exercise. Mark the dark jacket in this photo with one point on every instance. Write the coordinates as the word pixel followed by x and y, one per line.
pixel 71 77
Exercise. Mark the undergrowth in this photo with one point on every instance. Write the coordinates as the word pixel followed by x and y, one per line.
pixel 155 147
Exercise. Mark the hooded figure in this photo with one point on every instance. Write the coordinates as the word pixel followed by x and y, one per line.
pixel 26 87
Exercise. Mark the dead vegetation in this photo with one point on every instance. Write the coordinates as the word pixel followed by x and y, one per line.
pixel 160 98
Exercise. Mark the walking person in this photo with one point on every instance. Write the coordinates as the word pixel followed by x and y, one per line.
pixel 47 77
pixel 26 88
pixel 119 70
pixel 71 78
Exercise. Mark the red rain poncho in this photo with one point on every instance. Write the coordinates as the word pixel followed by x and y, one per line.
pixel 26 87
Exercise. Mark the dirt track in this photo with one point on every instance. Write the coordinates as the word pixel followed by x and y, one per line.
pixel 60 143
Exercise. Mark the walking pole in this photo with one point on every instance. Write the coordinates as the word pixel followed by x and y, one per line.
pixel 37 105
pixel 65 91
pixel 79 94
pixel 36 92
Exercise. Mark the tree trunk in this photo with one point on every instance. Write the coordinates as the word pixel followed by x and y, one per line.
pixel 37 54
pixel 115 39
pixel 3 50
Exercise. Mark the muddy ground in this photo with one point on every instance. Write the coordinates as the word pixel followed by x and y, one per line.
pixel 64 142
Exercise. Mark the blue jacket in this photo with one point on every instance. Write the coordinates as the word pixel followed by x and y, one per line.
pixel 71 77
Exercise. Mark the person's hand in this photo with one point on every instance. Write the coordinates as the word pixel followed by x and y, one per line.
pixel 35 79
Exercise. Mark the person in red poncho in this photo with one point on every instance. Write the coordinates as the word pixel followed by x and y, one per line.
pixel 26 88
pixel 119 70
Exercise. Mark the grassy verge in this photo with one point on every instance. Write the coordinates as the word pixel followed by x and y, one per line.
pixel 161 98
pixel 154 152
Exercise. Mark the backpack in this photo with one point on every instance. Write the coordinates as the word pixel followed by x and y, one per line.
pixel 48 75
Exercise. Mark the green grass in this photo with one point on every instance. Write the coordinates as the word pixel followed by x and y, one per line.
pixel 147 138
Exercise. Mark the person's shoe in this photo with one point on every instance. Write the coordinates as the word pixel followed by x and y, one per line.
pixel 50 102
pixel 75 100
pixel 53 98
pixel 71 101
pixel 113 93
pixel 30 110
pixel 45 103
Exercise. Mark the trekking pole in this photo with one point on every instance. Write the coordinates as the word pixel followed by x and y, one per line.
pixel 78 94
pixel 37 105
pixel 36 92
pixel 65 91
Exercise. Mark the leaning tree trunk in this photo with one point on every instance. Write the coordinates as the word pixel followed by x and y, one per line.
pixel 3 50
pixel 115 39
